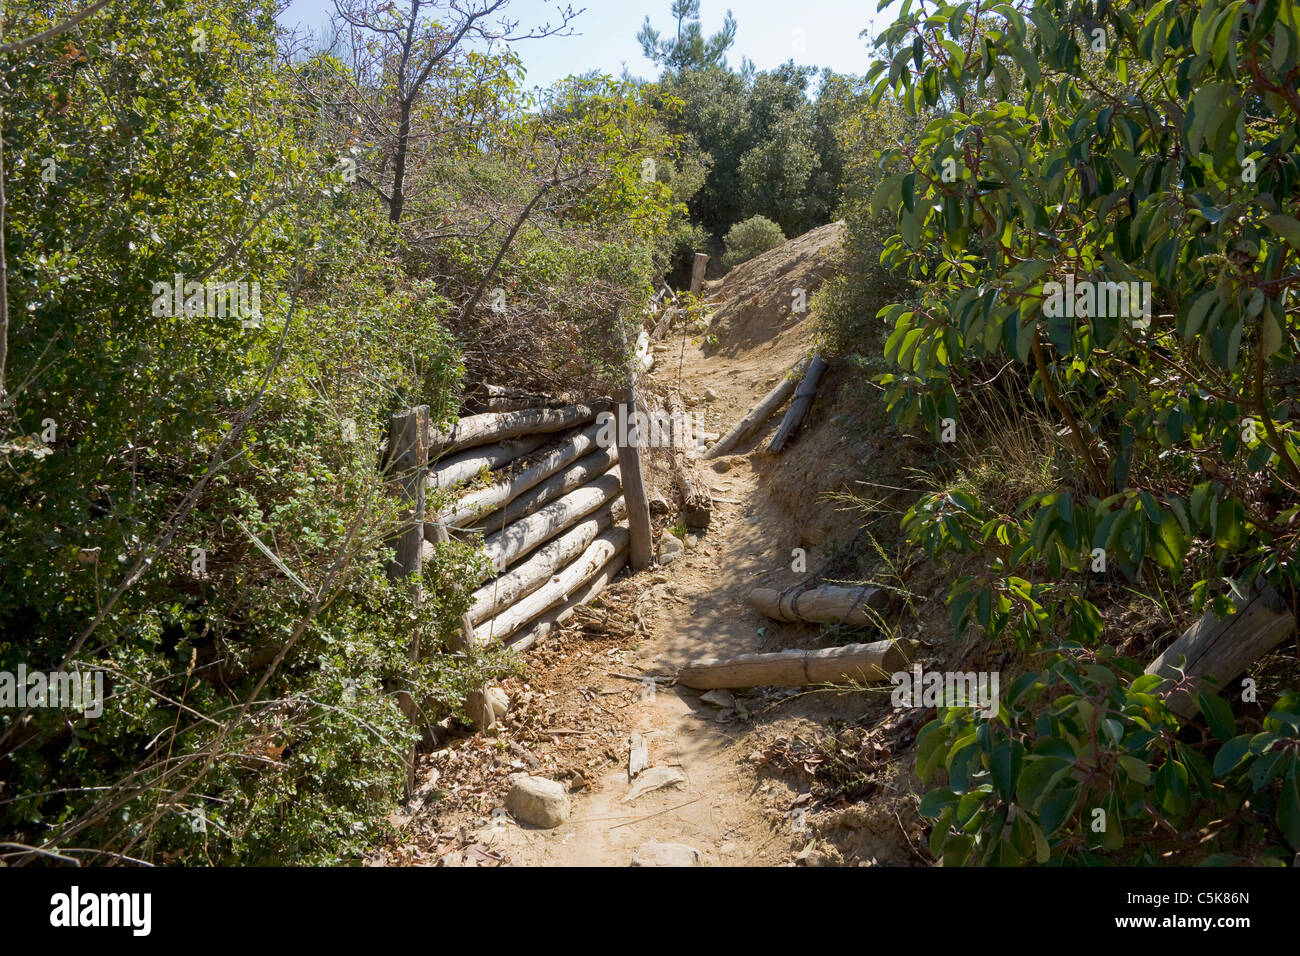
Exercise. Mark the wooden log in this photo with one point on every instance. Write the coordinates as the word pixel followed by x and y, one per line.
pixel 542 564
pixel 828 604
pixel 559 588
pixel 558 615
pixel 479 504
pixel 697 271
pixel 802 401
pixel 861 663
pixel 498 398
pixel 469 464
pixel 638 503
pixel 515 540
pixel 645 356
pixel 760 412
pixel 697 502
pixel 476 430
pixel 1217 650
pixel 665 322
pixel 582 472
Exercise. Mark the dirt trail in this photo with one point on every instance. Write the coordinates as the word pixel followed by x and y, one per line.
pixel 727 803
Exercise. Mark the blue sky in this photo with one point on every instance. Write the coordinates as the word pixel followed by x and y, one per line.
pixel 815 32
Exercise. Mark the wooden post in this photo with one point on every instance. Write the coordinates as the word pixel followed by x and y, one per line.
pixel 641 547
pixel 697 271
pixel 406 460
pixel 629 466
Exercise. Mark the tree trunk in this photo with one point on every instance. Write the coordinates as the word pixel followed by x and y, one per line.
pixel 828 604
pixel 1218 649
pixel 798 411
pixel 860 663
pixel 759 414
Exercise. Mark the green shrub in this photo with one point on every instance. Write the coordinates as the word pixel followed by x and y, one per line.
pixel 750 238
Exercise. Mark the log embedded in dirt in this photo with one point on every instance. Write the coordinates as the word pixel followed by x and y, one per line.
pixel 452 471
pixel 828 604
pixel 558 615
pixel 665 322
pixel 802 401
pixel 697 503
pixel 475 430
pixel 507 546
pixel 638 503
pixel 858 663
pixel 558 589
pixel 542 564
pixel 479 504
pixel 697 271
pixel 580 473
pixel 1219 649
pixel 760 413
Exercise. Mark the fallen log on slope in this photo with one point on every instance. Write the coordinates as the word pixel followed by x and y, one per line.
pixel 798 411
pixel 827 604
pixel 477 430
pixel 697 502
pixel 581 472
pixel 479 504
pixel 558 589
pixel 858 663
pixel 452 471
pixel 1219 649
pixel 760 412
pixel 542 564
pixel 558 615
pixel 515 540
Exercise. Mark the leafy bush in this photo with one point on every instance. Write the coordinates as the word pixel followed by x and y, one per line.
pixel 750 238
pixel 1138 160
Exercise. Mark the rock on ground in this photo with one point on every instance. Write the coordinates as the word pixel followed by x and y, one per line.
pixel 537 801
pixel 655 853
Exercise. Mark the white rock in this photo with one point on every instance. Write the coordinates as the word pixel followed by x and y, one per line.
pixel 537 801
pixel 710 395
pixel 656 778
pixel 655 853
pixel 719 698
pixel 670 544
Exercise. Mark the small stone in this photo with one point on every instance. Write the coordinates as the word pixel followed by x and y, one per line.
pixel 692 542
pixel 655 853
pixel 656 778
pixel 670 544
pixel 537 801
pixel 722 466
pixel 669 558
pixel 577 782
pixel 710 395
pixel 719 698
